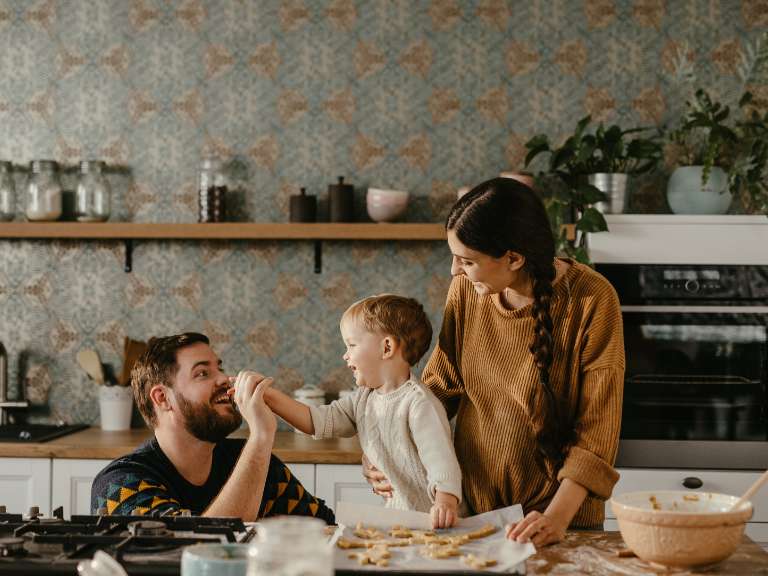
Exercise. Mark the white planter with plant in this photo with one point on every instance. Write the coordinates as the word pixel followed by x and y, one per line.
pixel 718 151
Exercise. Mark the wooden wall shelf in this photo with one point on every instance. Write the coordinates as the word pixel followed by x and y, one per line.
pixel 221 231
pixel 130 231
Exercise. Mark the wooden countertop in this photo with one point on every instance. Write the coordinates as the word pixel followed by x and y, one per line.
pixel 93 443
pixel 596 553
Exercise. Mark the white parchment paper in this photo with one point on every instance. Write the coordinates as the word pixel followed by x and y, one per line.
pixel 509 555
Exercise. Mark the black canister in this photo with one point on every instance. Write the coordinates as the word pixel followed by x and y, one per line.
pixel 341 205
pixel 303 207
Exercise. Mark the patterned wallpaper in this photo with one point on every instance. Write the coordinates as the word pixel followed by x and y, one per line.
pixel 424 95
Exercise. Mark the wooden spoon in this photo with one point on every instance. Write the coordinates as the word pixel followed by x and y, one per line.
pixel 751 490
pixel 90 362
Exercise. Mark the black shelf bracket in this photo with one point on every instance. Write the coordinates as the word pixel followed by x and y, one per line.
pixel 128 256
pixel 128 267
pixel 318 256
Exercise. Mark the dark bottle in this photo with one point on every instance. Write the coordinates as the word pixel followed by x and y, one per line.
pixel 212 197
pixel 341 205
pixel 303 207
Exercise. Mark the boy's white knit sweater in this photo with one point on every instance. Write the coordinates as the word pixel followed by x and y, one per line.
pixel 405 434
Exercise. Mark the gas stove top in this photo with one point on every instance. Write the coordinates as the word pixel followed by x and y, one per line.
pixel 144 545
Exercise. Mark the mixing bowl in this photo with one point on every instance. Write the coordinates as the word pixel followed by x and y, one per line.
pixel 680 528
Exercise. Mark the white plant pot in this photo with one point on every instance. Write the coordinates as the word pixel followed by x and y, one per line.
pixel 115 407
pixel 686 195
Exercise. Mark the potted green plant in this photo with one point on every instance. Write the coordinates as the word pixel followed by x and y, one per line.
pixel 718 149
pixel 590 172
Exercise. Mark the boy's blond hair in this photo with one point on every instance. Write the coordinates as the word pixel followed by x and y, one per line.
pixel 398 316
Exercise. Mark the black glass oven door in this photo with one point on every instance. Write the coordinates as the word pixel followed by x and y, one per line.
pixel 695 374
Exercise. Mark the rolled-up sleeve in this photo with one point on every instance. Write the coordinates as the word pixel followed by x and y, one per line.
pixel 601 393
pixel 590 460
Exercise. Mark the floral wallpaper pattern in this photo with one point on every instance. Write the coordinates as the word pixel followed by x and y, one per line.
pixel 425 96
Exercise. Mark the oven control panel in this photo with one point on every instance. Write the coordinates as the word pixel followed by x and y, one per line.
pixel 637 283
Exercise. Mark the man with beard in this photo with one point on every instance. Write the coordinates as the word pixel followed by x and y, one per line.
pixel 192 406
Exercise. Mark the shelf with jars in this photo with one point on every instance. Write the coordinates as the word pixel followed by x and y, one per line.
pixel 130 231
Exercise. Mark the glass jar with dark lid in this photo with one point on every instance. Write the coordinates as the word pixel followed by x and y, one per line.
pixel 7 193
pixel 212 192
pixel 93 195
pixel 43 201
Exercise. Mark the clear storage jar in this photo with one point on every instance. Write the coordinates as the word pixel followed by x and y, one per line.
pixel 291 546
pixel 43 202
pixel 7 193
pixel 212 193
pixel 93 195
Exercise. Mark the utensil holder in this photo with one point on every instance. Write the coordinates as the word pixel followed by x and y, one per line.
pixel 115 407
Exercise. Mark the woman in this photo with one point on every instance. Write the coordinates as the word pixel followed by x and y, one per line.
pixel 530 360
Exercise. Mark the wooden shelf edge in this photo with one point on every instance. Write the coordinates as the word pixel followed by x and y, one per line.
pixel 221 231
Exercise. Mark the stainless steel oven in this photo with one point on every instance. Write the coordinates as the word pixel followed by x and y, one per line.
pixel 696 382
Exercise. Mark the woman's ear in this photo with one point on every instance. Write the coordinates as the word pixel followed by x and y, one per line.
pixel 160 398
pixel 515 260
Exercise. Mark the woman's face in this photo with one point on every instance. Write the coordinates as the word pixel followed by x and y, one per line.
pixel 488 275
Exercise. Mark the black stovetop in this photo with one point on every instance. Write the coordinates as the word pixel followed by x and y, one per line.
pixel 145 546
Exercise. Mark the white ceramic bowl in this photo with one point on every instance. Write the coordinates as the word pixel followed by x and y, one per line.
pixel 386 205
pixel 680 528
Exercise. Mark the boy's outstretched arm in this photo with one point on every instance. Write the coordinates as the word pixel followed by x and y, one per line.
pixel 290 410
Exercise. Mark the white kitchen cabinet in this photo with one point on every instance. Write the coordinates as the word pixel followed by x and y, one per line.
pixel 72 479
pixel 344 482
pixel 722 481
pixel 305 473
pixel 25 482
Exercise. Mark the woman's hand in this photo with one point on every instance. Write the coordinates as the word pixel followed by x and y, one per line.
pixel 537 528
pixel 376 479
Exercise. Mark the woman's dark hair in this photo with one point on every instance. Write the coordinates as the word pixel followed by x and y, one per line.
pixel 503 215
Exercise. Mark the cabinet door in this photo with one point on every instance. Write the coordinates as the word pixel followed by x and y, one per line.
pixel 25 482
pixel 305 473
pixel 72 479
pixel 722 481
pixel 343 482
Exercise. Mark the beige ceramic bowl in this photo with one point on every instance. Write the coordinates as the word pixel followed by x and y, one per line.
pixel 677 528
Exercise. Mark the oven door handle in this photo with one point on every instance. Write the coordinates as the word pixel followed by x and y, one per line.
pixel 674 309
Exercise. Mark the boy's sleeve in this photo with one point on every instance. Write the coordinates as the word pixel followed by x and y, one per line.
pixel 130 489
pixel 432 435
pixel 337 419
pixel 284 494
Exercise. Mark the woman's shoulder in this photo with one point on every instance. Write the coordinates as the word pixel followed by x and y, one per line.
pixel 585 281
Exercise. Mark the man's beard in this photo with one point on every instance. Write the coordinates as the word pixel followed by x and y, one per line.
pixel 205 423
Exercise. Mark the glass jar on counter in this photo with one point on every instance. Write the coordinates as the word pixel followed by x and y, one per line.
pixel 291 546
pixel 7 193
pixel 43 191
pixel 93 195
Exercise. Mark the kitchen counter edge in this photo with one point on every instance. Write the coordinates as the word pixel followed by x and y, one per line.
pixel 96 444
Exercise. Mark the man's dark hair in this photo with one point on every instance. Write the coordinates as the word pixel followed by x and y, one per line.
pixel 158 365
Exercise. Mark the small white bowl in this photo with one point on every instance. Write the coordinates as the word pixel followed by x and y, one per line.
pixel 386 205
pixel 677 528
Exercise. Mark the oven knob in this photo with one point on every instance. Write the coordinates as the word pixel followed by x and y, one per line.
pixel 692 482
pixel 692 286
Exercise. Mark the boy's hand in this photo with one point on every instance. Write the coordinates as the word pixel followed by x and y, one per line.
pixel 444 511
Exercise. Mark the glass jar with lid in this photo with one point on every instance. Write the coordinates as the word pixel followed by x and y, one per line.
pixel 93 195
pixel 43 202
pixel 291 546
pixel 212 193
pixel 7 193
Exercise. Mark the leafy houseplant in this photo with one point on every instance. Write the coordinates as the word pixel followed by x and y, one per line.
pixel 584 153
pixel 729 145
